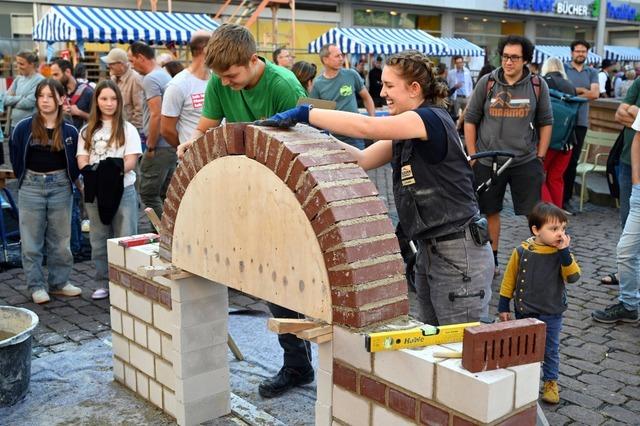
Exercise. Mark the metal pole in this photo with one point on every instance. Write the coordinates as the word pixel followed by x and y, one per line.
pixel 600 29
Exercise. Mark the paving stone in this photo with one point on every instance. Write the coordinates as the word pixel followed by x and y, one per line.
pixel 78 335
pixel 633 405
pixel 582 414
pixel 613 423
pixel 583 365
pixel 582 354
pixel 620 414
pixel 16 299
pixel 568 370
pixel 594 338
pixel 629 379
pixel 572 341
pixel 38 350
pixel 90 310
pixel 50 339
pixel 625 357
pixel 76 302
pixel 606 395
pixel 78 318
pixel 569 383
pixel 556 419
pixel 65 311
pixel 63 326
pixel 580 398
pixel 631 391
pixel 93 326
pixel 54 303
pixel 63 347
pixel 594 379
pixel 626 346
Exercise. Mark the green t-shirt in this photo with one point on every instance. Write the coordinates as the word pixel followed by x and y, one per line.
pixel 632 98
pixel 278 90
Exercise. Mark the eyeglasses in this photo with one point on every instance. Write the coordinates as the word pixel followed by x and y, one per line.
pixel 512 58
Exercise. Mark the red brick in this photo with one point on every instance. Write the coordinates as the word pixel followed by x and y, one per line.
pixel 367 250
pixel 334 214
pixel 356 231
pixel 138 285
pixel 459 421
pixel 201 156
pixel 166 240
pixel 527 417
pixel 216 147
pixel 164 298
pixel 359 318
pixel 402 403
pixel 188 164
pixel 325 196
pixel 503 344
pixel 373 389
pixel 125 279
pixel 359 275
pixel 313 177
pixel 304 161
pixel 250 140
pixel 151 291
pixel 272 154
pixel 262 146
pixel 167 223
pixel 165 253
pixel 114 275
pixel 344 376
pixel 433 416
pixel 292 148
pixel 357 298
pixel 235 138
pixel 182 177
pixel 175 187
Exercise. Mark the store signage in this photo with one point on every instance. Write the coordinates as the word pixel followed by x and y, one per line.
pixel 622 12
pixel 566 8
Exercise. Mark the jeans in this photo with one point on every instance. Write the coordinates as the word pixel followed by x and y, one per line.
pixel 297 352
pixel 551 362
pixel 624 178
pixel 124 223
pixel 44 202
pixel 629 254
pixel 155 175
pixel 76 222
pixel 441 268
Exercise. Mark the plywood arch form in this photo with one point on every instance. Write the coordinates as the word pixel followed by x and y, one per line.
pixel 256 189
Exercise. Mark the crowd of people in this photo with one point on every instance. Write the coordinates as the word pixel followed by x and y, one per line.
pixel 107 149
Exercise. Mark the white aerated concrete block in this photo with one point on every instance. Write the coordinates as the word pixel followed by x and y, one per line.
pixel 194 388
pixel 118 296
pixel 195 312
pixel 411 369
pixel 189 364
pixel 325 356
pixel 167 348
pixel 139 306
pixel 350 408
pixel 163 319
pixel 127 326
pixel 323 414
pixel 383 417
pixel 116 320
pixel 138 256
pixel 193 288
pixel 140 331
pixel 115 252
pixel 120 346
pixel 204 409
pixel 154 341
pixel 118 369
pixel 324 388
pixel 143 385
pixel 527 382
pixel 187 339
pixel 165 374
pixel 130 377
pixel 170 403
pixel 484 396
pixel 349 347
pixel 142 359
pixel 155 393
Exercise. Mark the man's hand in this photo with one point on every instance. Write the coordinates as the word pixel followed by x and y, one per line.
pixel 504 316
pixel 581 90
pixel 286 119
pixel 149 153
pixel 183 148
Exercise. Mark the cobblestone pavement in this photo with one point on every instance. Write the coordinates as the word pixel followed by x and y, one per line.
pixel 600 364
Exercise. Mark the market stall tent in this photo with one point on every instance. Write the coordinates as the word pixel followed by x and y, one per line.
pixel 622 53
pixel 542 52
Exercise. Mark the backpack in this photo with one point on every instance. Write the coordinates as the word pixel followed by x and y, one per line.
pixel 535 82
pixel 565 113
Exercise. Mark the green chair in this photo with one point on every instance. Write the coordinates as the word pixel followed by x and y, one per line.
pixel 589 162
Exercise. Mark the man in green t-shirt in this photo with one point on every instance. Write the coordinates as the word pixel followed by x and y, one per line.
pixel 245 88
pixel 625 115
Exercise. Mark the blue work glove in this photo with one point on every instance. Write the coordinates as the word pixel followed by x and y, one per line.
pixel 286 119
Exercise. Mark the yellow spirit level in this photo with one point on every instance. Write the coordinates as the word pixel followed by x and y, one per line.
pixel 425 335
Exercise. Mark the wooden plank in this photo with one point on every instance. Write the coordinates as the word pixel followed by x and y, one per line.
pixel 290 325
pixel 312 333
pixel 323 338
pixel 153 218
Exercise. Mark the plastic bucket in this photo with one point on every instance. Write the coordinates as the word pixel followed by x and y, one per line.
pixel 16 325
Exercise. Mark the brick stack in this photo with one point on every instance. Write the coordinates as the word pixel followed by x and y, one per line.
pixel 361 253
pixel 169 337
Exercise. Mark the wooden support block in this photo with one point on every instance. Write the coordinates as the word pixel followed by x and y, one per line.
pixel 447 354
pixel 153 218
pixel 290 325
pixel 324 338
pixel 168 271
pixel 313 333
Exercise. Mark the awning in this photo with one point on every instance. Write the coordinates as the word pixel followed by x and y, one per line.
pixel 541 53
pixel 622 53
pixel 462 47
pixel 379 41
pixel 91 24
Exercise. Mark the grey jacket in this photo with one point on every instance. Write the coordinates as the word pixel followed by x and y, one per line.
pixel 510 120
pixel 22 97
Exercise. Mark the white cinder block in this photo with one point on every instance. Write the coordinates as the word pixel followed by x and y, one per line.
pixel 142 359
pixel 130 377
pixel 412 369
pixel 165 374
pixel 200 336
pixel 203 310
pixel 153 340
pixel 348 346
pixel 324 387
pixel 116 320
pixel 155 393
pixel 193 363
pixel 143 385
pixel 487 395
pixel 140 331
pixel 383 417
pixel 194 288
pixel 203 385
pixel 118 296
pixel 120 346
pixel 163 318
pixel 138 256
pixel 127 326
pixel 118 369
pixel 167 348
pixel 527 383
pixel 139 306
pixel 204 409
pixel 115 252
pixel 325 356
pixel 170 404
pixel 323 414
pixel 349 407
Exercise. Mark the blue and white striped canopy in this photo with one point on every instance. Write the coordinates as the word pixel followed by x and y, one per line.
pixel 90 24
pixel 379 41
pixel 462 47
pixel 542 52
pixel 622 53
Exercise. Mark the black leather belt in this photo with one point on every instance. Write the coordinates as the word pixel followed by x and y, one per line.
pixel 453 236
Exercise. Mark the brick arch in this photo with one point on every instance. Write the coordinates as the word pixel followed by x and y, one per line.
pixel 355 240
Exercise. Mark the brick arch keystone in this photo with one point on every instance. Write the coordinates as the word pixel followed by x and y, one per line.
pixel 355 242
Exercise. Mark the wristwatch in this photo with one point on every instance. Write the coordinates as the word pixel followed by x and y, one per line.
pixel 541 158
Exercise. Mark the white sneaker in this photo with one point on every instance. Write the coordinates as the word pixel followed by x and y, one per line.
pixel 67 290
pixel 85 226
pixel 40 296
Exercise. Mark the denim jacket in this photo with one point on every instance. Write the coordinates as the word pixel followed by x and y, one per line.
pixel 21 138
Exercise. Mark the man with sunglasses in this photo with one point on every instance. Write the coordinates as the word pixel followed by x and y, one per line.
pixel 518 119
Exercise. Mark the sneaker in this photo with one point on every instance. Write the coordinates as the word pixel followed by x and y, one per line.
pixel 550 392
pixel 85 225
pixel 286 379
pixel 615 313
pixel 67 290
pixel 101 293
pixel 40 296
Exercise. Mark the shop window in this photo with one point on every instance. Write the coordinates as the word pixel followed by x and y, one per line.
pixel 386 19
